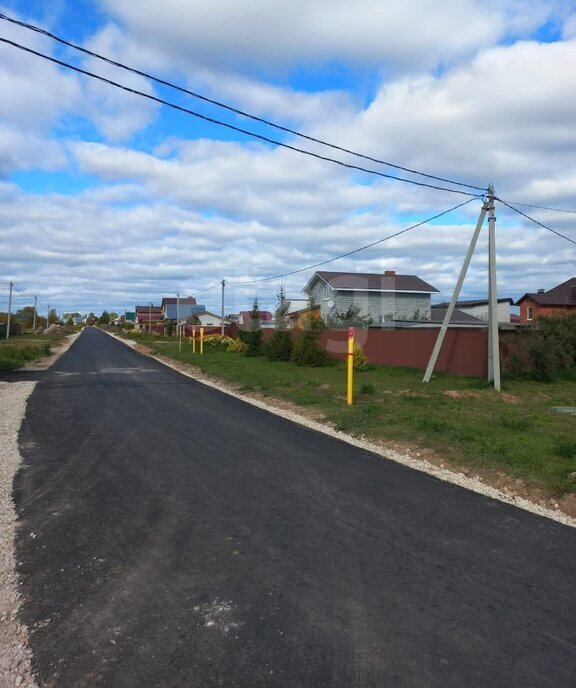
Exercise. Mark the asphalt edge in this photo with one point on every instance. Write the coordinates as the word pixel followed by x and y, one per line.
pixel 469 483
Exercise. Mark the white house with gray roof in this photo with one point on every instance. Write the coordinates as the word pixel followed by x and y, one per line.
pixel 382 297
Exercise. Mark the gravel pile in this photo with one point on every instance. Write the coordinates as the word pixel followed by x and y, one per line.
pixel 15 657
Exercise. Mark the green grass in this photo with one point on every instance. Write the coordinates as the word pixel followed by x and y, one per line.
pixel 17 351
pixel 516 432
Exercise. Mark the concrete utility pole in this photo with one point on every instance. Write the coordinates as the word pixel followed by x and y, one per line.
pixel 34 318
pixel 9 311
pixel 178 314
pixel 493 354
pixel 150 319
pixel 493 336
pixel 222 309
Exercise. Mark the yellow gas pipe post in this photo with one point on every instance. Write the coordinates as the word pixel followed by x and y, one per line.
pixel 201 340
pixel 193 340
pixel 350 357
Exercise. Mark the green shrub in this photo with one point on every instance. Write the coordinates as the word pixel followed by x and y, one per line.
pixel 360 358
pixel 544 351
pixel 237 346
pixel 307 350
pixel 279 347
pixel 217 342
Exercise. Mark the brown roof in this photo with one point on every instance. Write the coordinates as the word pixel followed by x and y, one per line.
pixel 146 309
pixel 364 281
pixel 189 300
pixel 438 314
pixel 562 295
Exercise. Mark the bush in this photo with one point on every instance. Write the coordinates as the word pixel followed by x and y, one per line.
pixel 279 347
pixel 237 346
pixel 307 350
pixel 217 342
pixel 252 340
pixel 544 351
pixel 360 358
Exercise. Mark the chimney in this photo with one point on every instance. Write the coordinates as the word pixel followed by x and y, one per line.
pixel 541 291
pixel 389 273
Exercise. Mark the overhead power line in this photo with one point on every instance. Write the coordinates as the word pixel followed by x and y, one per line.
pixel 541 207
pixel 356 250
pixel 230 108
pixel 541 224
pixel 232 127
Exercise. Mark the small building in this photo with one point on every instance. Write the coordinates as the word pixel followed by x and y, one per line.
pixel 560 299
pixel 172 307
pixel 381 297
pixel 245 319
pixel 148 316
pixel 479 308
pixel 207 319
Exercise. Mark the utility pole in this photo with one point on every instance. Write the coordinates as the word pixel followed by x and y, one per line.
pixel 48 316
pixel 493 337
pixel 150 319
pixel 178 314
pixel 222 310
pixel 34 319
pixel 9 312
pixel 493 343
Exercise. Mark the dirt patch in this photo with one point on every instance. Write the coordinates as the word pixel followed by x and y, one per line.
pixel 142 349
pixel 510 398
pixel 458 394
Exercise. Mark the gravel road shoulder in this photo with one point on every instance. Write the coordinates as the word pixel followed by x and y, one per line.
pixel 15 657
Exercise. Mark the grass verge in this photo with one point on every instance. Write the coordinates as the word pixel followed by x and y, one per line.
pixel 17 351
pixel 463 419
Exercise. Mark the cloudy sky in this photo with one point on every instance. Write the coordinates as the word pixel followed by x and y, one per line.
pixel 108 199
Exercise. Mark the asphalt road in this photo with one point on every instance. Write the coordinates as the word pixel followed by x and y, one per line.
pixel 173 536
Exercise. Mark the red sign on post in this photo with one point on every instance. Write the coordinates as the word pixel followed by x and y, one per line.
pixel 351 332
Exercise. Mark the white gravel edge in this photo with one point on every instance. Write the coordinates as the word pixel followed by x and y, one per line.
pixel 470 483
pixel 15 656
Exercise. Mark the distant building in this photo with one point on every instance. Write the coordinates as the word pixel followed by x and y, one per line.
pixel 479 308
pixel 381 297
pixel 560 299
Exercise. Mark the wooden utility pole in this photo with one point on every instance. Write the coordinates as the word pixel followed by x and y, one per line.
pixel 150 320
pixel 34 318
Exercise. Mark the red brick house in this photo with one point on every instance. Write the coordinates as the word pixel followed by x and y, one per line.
pixel 560 299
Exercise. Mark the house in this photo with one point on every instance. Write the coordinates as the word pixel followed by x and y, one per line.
pixel 172 307
pixel 560 299
pixel 382 297
pixel 207 319
pixel 245 319
pixel 479 308
pixel 147 316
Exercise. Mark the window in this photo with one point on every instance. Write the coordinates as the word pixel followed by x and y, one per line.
pixel 529 313
pixel 327 291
